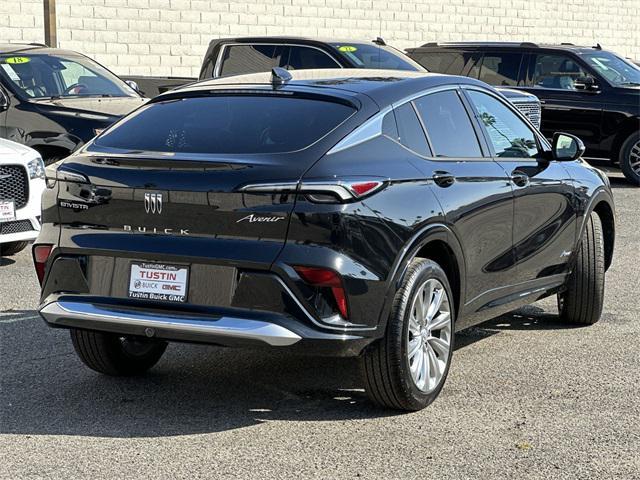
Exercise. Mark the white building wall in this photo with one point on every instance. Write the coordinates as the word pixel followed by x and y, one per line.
pixel 169 37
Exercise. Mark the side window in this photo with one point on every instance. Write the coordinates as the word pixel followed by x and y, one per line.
pixel 449 128
pixel 555 71
pixel 390 127
pixel 500 68
pixel 305 58
pixel 509 135
pixel 410 131
pixel 241 59
pixel 442 62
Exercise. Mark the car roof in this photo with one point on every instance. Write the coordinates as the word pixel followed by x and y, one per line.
pixel 32 48
pixel 383 86
pixel 507 45
pixel 290 39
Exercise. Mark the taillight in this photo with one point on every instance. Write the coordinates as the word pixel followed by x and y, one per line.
pixel 41 254
pixel 325 278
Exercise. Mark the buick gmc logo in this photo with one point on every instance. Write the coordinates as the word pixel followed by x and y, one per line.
pixel 153 203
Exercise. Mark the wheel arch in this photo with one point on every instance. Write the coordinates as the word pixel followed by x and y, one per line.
pixel 606 213
pixel 629 127
pixel 602 204
pixel 434 242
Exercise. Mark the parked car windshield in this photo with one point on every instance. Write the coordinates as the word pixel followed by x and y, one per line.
pixel 615 69
pixel 58 76
pixel 364 55
pixel 236 124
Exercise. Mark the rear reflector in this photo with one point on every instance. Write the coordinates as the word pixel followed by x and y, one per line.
pixel 322 277
pixel 41 254
pixel 360 189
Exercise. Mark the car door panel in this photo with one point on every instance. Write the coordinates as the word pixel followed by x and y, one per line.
pixel 544 225
pixel 476 197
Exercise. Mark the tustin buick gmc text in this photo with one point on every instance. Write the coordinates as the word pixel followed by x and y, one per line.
pixel 344 212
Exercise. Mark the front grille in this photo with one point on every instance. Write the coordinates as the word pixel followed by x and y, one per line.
pixel 15 227
pixel 14 184
pixel 531 110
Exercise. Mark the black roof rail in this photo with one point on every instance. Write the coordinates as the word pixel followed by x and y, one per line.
pixel 483 44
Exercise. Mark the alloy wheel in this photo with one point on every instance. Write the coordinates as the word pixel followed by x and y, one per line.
pixel 634 158
pixel 429 335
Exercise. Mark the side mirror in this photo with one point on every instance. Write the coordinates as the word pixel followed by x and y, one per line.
pixel 133 85
pixel 567 147
pixel 4 101
pixel 586 83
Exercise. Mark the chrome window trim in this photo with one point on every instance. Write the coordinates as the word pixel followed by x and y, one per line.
pixel 218 66
pixel 370 129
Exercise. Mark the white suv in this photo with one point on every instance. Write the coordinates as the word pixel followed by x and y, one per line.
pixel 22 181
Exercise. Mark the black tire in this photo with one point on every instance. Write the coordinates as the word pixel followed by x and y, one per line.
pixel 115 355
pixel 629 155
pixel 582 300
pixel 385 363
pixel 11 248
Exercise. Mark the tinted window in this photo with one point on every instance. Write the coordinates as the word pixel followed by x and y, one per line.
pixel 556 71
pixel 390 127
pixel 615 69
pixel 227 124
pixel 443 62
pixel 450 131
pixel 370 55
pixel 500 68
pixel 510 136
pixel 240 59
pixel 410 131
pixel 301 58
pixel 38 76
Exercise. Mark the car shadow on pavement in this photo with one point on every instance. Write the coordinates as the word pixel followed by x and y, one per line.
pixel 621 182
pixel 5 262
pixel 194 389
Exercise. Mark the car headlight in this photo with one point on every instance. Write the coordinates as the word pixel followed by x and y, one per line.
pixel 36 168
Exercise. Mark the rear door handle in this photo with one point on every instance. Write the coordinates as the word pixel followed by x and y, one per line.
pixel 519 178
pixel 443 179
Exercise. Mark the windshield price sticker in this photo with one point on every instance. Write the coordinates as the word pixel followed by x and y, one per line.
pixel 17 60
pixel 347 48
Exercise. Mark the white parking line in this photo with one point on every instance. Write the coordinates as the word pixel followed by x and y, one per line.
pixel 14 317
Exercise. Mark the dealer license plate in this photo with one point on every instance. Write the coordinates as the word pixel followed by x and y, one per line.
pixel 7 210
pixel 155 281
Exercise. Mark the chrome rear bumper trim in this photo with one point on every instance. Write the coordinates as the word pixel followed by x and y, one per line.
pixel 69 313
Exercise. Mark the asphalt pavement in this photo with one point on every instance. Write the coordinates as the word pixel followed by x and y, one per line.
pixel 527 397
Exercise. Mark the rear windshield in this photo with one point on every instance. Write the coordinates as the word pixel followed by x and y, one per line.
pixel 227 125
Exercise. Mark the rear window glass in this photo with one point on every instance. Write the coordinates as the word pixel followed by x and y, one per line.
pixel 448 125
pixel 500 68
pixel 227 125
pixel 442 62
pixel 240 59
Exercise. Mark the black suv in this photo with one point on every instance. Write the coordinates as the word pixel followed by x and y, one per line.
pixel 587 91
pixel 56 100
pixel 342 212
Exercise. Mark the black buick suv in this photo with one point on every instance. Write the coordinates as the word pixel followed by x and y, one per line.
pixel 343 212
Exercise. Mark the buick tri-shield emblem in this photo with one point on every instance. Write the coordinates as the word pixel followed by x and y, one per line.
pixel 153 202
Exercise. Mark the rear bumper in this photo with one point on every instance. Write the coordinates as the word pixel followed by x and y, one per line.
pixel 227 327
